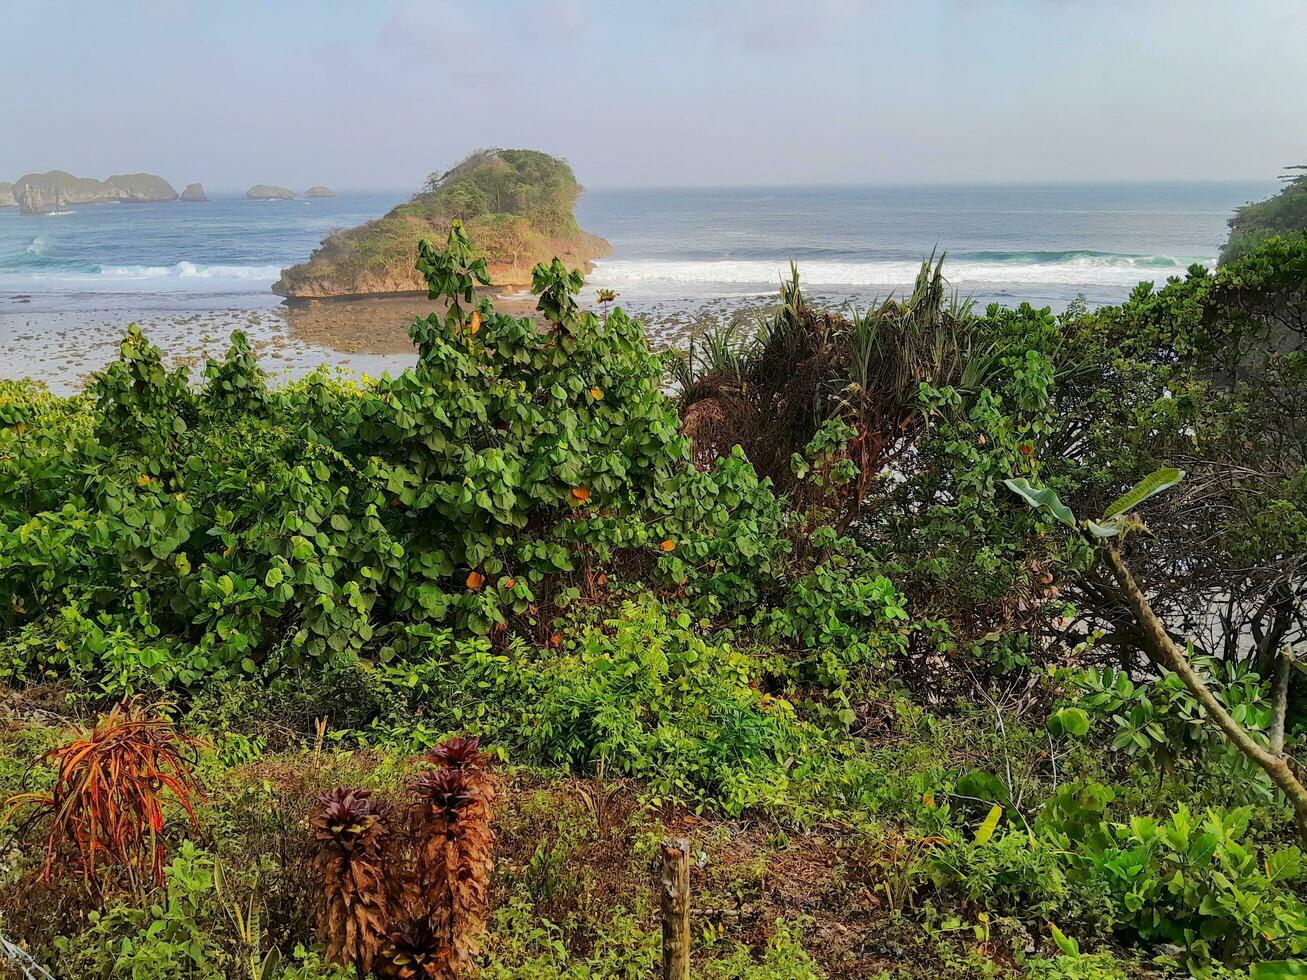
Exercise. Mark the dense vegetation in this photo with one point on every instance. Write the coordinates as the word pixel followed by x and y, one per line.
pixel 1283 214
pixel 911 726
pixel 517 205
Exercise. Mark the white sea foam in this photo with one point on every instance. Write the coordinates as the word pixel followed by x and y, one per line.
pixel 663 277
pixel 190 270
pixel 180 277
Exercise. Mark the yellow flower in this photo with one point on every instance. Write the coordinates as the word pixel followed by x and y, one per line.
pixel 596 393
pixel 668 545
pixel 143 480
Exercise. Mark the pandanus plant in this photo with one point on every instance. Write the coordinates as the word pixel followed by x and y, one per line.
pixel 351 868
pixel 415 912
pixel 456 855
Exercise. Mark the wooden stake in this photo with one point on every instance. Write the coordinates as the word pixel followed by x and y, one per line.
pixel 676 910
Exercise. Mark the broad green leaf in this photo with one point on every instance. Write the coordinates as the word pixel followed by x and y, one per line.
pixel 1109 530
pixel 1070 721
pixel 1150 486
pixel 1041 498
pixel 986 830
pixel 1065 943
pixel 1275 969
pixel 1284 863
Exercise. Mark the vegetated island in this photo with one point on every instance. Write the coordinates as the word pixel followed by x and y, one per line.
pixel 1283 214
pixel 56 189
pixel 269 192
pixel 194 193
pixel 518 205
pixel 317 190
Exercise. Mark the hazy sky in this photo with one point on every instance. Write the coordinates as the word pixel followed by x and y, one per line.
pixel 378 93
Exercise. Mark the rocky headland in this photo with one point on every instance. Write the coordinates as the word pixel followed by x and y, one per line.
pixel 56 189
pixel 518 206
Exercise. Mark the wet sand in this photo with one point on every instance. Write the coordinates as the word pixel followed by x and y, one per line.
pixel 63 348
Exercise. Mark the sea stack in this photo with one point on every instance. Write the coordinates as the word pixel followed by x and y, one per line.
pixel 519 206
pixel 7 199
pixel 194 193
pixel 319 191
pixel 269 192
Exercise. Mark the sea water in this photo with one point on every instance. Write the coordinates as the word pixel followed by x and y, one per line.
pixel 84 273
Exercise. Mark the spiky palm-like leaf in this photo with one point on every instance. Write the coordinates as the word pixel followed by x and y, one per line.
pixel 414 951
pixel 456 855
pixel 350 865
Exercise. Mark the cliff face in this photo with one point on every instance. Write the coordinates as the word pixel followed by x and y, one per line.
pixel 269 192
pixel 195 193
pixel 518 208
pixel 7 199
pixel 1283 214
pixel 56 189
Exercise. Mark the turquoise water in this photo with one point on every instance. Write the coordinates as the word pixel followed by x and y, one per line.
pixel 1043 243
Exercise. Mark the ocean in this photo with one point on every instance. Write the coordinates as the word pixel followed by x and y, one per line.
pixel 70 282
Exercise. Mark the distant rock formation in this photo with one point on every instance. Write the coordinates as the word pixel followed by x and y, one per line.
pixel 194 192
pixel 56 189
pixel 269 192
pixel 7 199
pixel 319 191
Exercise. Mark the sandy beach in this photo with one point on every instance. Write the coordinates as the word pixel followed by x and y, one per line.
pixel 62 348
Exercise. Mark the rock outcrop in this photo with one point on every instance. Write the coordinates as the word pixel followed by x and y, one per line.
pixel 56 189
pixel 317 190
pixel 518 206
pixel 194 193
pixel 269 192
pixel 7 199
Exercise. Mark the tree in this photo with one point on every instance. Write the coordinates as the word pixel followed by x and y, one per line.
pixel 1117 521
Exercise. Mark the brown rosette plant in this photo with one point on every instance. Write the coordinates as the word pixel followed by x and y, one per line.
pixel 455 856
pixel 351 867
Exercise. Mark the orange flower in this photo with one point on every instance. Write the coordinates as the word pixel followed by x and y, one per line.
pixel 1027 448
pixel 668 545
pixel 596 393
pixel 475 580
pixel 474 324
pixel 511 583
pixel 555 641
pixel 603 579
pixel 580 494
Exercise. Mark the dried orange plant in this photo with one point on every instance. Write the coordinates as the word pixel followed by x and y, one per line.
pixel 430 902
pixel 106 806
pixel 350 863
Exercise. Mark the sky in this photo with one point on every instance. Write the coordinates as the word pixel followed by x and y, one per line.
pixel 362 94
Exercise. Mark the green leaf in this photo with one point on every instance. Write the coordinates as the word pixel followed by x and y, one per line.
pixel 1065 943
pixel 1284 863
pixel 1275 969
pixel 1069 721
pixel 1109 530
pixel 1150 486
pixel 986 830
pixel 1041 498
